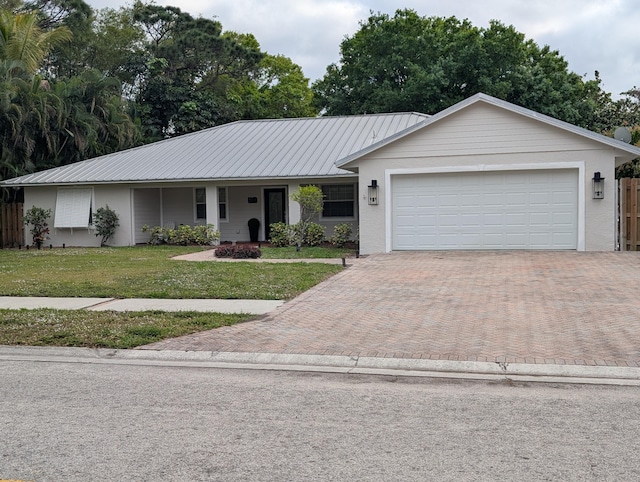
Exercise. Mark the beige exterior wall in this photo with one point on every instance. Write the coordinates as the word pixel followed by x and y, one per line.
pixel 483 137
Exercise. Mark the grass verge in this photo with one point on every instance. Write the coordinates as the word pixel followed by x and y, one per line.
pixel 106 329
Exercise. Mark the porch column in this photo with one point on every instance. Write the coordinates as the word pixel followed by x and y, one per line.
pixel 293 208
pixel 211 196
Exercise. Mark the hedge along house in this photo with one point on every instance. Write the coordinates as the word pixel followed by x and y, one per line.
pixel 224 176
pixel 482 174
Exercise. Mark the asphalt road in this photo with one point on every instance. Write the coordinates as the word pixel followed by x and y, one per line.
pixel 87 422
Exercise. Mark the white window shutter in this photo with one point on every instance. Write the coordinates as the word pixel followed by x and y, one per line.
pixel 73 208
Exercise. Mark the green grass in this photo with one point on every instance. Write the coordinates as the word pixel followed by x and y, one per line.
pixel 104 329
pixel 290 252
pixel 148 272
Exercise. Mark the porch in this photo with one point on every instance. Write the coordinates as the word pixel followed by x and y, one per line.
pixel 229 207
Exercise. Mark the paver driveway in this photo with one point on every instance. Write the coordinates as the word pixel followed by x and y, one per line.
pixel 533 307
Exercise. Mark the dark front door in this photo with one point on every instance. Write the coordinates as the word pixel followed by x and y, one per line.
pixel 274 208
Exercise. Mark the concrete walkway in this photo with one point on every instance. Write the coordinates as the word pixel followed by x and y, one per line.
pixel 256 307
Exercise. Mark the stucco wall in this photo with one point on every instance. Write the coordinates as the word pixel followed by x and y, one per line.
pixel 117 198
pixel 485 139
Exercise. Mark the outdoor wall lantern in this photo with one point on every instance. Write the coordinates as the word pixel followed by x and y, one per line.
pixel 598 186
pixel 373 192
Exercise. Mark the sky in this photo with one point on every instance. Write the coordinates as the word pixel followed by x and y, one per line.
pixel 591 35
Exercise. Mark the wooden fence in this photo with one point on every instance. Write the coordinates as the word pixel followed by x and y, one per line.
pixel 629 215
pixel 11 225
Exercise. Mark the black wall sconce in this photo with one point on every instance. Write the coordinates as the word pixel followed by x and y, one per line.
pixel 373 192
pixel 598 186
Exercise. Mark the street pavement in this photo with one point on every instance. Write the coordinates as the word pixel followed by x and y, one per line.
pixel 78 422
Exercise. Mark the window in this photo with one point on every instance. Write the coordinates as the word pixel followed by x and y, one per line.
pixel 339 201
pixel 222 203
pixel 73 208
pixel 201 204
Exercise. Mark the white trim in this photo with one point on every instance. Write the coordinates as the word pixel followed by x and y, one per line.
pixel 579 165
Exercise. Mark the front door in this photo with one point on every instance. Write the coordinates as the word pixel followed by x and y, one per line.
pixel 274 208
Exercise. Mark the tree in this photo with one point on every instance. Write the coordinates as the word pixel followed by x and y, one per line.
pixel 21 39
pixel 426 64
pixel 72 57
pixel 278 90
pixel 311 200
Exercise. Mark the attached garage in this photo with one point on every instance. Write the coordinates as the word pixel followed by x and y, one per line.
pixel 521 209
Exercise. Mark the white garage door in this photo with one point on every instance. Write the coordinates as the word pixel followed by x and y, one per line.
pixel 487 210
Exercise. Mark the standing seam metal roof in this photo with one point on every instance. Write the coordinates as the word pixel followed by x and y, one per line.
pixel 282 148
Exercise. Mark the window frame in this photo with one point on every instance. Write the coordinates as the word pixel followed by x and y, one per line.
pixel 200 203
pixel 224 203
pixel 352 200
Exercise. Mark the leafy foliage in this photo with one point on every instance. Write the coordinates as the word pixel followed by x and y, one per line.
pixel 311 200
pixel 426 64
pixel 281 235
pixel 341 235
pixel 106 221
pixel 183 235
pixel 38 219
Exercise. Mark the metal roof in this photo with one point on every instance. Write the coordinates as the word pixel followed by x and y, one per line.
pixel 254 149
pixel 626 151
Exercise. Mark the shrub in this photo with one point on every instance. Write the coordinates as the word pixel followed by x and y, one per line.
pixel 238 252
pixel 183 235
pixel 281 235
pixel 341 235
pixel 106 222
pixel 157 234
pixel 37 218
pixel 206 234
pixel 314 234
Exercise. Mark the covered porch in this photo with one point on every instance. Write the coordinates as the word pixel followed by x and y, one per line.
pixel 230 206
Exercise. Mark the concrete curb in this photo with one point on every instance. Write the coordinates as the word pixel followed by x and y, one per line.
pixel 601 375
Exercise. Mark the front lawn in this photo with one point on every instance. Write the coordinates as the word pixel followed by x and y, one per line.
pixel 148 272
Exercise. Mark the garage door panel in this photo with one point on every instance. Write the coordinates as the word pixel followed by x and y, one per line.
pixel 488 210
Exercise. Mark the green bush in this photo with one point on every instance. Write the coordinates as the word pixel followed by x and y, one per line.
pixel 281 235
pixel 106 222
pixel 37 218
pixel 314 235
pixel 341 235
pixel 183 235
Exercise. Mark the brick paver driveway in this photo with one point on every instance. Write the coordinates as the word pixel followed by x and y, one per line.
pixel 533 307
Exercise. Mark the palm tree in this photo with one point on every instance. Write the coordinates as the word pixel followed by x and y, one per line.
pixel 23 40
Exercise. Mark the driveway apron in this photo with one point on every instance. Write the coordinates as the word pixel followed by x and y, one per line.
pixel 520 307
